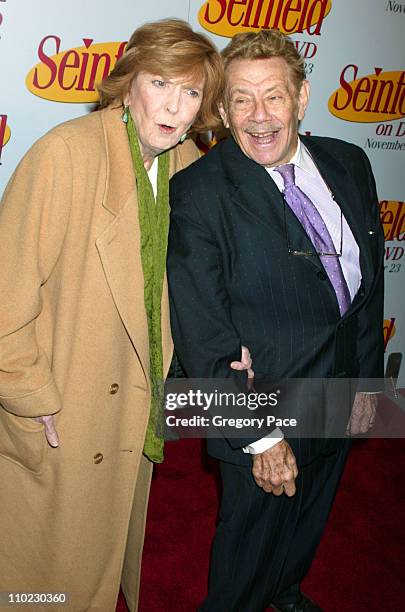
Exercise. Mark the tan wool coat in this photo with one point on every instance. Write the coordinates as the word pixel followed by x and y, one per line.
pixel 74 343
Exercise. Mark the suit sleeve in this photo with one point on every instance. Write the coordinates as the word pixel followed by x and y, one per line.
pixel 33 219
pixel 370 344
pixel 205 338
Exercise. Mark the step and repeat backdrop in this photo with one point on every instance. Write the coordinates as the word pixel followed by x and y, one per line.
pixel 53 53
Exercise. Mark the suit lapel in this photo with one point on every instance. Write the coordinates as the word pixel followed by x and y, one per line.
pixel 257 193
pixel 259 197
pixel 254 191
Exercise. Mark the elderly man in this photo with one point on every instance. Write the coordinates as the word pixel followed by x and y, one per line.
pixel 275 243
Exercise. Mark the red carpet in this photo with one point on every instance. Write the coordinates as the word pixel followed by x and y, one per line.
pixel 359 565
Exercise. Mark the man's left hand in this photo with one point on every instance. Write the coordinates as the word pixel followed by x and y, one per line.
pixel 275 470
pixel 363 413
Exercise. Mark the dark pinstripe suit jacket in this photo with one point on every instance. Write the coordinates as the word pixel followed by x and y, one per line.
pixel 232 281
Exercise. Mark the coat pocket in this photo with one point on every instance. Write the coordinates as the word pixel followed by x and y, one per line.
pixel 22 441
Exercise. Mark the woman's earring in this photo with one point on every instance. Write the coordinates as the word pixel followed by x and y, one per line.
pixel 124 115
pixel 183 138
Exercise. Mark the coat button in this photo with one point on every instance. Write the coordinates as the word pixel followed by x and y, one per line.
pixel 114 388
pixel 322 275
pixel 98 458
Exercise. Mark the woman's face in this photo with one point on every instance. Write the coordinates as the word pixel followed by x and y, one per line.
pixel 163 110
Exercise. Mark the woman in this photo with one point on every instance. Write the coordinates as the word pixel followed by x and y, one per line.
pixel 84 332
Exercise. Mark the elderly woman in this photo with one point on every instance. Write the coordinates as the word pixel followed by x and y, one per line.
pixel 84 322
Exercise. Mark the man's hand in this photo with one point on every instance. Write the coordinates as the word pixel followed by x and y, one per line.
pixel 50 431
pixel 363 413
pixel 245 363
pixel 275 470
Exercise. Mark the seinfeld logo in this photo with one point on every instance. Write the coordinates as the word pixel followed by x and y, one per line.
pixel 4 132
pixel 375 97
pixel 392 215
pixel 71 75
pixel 389 329
pixel 229 17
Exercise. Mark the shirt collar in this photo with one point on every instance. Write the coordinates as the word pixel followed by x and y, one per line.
pixel 302 159
pixel 297 157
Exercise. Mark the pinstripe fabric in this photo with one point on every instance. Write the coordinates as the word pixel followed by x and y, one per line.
pixel 232 282
pixel 267 543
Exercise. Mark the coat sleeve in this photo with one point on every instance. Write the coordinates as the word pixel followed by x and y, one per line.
pixel 199 305
pixel 370 342
pixel 205 338
pixel 33 219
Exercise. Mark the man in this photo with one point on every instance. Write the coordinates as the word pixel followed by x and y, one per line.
pixel 275 243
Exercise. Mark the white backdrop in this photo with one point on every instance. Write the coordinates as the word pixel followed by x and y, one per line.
pixel 342 41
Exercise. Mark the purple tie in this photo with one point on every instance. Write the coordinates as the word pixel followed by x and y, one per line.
pixel 315 227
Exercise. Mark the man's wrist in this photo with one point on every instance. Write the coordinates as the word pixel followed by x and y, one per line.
pixel 265 443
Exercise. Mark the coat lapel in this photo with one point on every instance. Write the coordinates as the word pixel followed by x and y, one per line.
pixel 119 244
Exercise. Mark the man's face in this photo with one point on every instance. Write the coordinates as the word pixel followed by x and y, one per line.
pixel 263 108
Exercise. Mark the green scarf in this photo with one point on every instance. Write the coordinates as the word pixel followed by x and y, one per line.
pixel 154 224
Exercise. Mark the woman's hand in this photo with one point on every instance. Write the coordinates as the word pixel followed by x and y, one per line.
pixel 50 431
